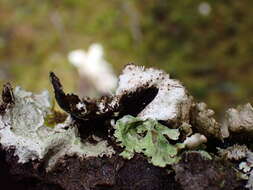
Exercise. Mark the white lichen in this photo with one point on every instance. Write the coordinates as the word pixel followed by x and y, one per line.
pixel 195 140
pixel 23 128
pixel 172 102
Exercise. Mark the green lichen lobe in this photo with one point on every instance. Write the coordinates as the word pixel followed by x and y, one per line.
pixel 148 137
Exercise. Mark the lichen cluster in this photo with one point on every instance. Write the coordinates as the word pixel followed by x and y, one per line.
pixel 151 122
pixel 24 127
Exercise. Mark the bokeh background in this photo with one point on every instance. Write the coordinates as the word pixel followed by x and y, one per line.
pixel 208 45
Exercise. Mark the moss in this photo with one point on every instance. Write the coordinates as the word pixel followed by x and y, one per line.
pixel 148 137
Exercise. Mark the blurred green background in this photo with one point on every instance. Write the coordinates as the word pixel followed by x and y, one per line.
pixel 208 45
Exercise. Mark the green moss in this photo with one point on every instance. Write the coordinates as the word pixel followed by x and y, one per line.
pixel 148 137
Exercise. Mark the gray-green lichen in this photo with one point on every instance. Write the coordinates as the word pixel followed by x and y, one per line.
pixel 23 127
pixel 148 137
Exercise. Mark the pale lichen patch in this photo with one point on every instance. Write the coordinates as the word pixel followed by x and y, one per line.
pixel 195 140
pixel 172 102
pixel 23 127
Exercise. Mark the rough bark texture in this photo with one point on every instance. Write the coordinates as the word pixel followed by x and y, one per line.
pixel 196 172
pixel 71 173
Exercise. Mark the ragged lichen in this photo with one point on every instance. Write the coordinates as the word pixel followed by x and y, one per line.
pixel 148 137
pixel 203 120
pixel 235 152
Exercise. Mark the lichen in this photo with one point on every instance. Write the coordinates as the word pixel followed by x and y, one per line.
pixel 157 124
pixel 240 119
pixel 195 140
pixel 203 120
pixel 243 155
pixel 23 127
pixel 235 152
pixel 172 102
pixel 148 137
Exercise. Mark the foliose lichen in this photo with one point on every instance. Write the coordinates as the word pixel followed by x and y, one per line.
pixel 148 137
